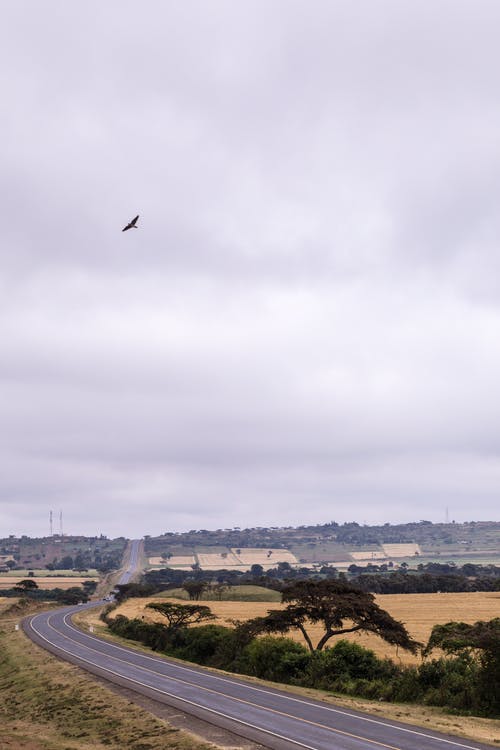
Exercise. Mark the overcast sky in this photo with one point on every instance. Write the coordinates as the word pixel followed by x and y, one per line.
pixel 306 325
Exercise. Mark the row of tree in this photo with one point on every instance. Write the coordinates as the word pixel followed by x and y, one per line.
pixel 29 588
pixel 429 578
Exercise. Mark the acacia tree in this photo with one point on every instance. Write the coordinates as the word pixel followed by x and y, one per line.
pixel 27 584
pixel 182 615
pixel 194 588
pixel 218 590
pixel 340 607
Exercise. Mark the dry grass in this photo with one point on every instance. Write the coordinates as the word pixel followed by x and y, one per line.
pixel 256 555
pixel 217 560
pixel 419 612
pixel 229 559
pixel 401 550
pixel 368 555
pixel 48 704
pixel 173 561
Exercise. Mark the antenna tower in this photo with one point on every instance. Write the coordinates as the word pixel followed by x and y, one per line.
pixel 60 523
pixel 50 524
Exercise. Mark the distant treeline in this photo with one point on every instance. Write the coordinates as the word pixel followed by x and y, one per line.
pixel 72 595
pixel 429 578
pixel 426 583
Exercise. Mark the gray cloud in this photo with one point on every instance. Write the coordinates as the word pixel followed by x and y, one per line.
pixel 305 327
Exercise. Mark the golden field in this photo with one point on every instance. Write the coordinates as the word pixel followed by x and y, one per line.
pixel 45 582
pixel 419 613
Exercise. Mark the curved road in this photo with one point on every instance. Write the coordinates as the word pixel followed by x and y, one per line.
pixel 273 718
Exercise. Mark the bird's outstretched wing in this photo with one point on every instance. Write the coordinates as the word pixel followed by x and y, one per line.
pixel 131 224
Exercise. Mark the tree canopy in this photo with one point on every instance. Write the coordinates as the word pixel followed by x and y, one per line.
pixel 27 584
pixel 182 615
pixel 340 607
pixel 482 639
pixel 194 588
pixel 454 637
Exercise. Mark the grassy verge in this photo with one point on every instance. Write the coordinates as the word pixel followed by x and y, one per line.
pixel 48 704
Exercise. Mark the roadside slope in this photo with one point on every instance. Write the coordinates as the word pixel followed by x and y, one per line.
pixel 49 704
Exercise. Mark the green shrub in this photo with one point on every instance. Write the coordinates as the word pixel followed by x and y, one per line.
pixel 277 659
pixel 204 644
pixel 451 683
pixel 406 686
pixel 346 662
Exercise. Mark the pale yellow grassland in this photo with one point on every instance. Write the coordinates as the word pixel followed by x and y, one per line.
pixel 367 556
pixel 401 550
pixel 419 613
pixel 259 556
pixel 181 560
pixel 213 560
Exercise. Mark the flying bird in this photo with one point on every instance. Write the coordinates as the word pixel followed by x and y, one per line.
pixel 131 224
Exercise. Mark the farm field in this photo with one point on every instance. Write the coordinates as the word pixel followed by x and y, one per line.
pixel 218 558
pixel 370 556
pixel 320 553
pixel 419 613
pixel 176 561
pixel 259 556
pixel 477 543
pixel 45 582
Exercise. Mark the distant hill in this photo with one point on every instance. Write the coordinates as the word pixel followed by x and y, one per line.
pixel 61 552
pixel 331 543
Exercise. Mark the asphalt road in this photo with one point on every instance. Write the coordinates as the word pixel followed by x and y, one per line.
pixel 270 717
pixel 132 563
